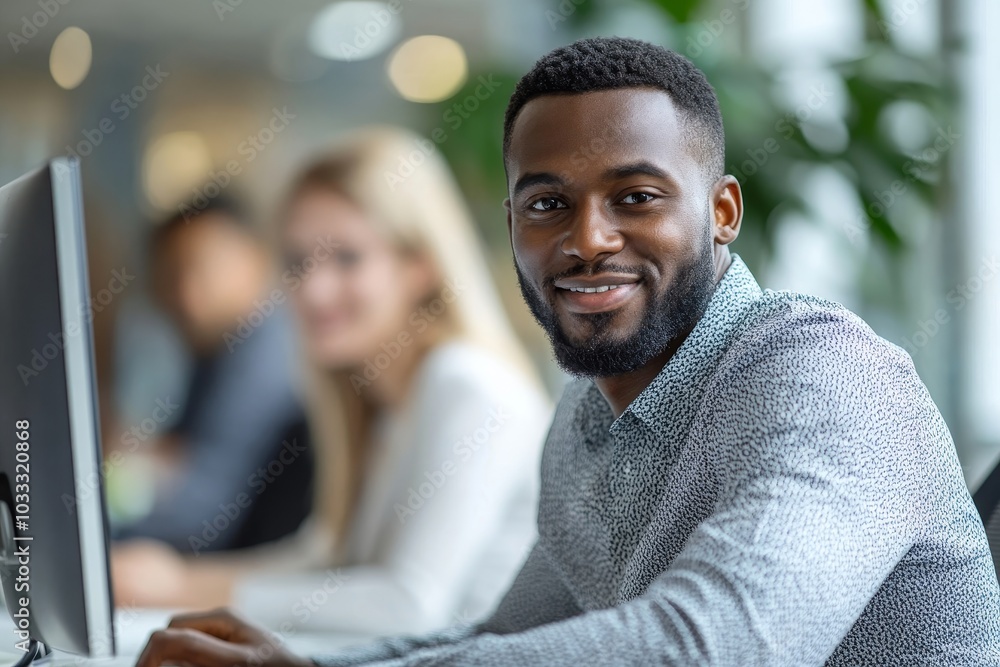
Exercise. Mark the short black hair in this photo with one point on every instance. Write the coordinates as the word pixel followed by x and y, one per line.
pixel 609 63
pixel 189 213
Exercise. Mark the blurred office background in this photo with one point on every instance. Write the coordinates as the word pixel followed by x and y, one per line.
pixel 862 132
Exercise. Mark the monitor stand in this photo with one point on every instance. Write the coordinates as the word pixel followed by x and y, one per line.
pixel 36 651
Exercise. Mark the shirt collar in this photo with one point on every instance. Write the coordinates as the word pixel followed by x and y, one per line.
pixel 698 355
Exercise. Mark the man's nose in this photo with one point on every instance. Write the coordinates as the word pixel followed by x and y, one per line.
pixel 592 234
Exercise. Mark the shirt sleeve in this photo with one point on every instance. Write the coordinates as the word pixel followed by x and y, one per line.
pixel 211 480
pixel 243 408
pixel 817 503
pixel 475 450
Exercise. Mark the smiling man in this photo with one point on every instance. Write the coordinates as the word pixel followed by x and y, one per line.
pixel 737 476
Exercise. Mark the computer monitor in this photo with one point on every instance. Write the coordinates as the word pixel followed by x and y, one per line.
pixel 53 523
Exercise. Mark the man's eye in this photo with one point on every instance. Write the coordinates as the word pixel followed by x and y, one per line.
pixel 638 198
pixel 546 204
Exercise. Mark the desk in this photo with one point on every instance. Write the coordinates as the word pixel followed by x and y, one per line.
pixel 133 627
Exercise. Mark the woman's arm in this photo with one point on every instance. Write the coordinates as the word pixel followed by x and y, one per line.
pixel 148 573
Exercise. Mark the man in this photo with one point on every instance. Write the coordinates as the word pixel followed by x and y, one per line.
pixel 213 275
pixel 739 477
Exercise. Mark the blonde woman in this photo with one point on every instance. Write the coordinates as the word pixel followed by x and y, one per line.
pixel 426 417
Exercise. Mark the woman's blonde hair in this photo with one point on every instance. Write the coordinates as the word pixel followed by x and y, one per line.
pixel 407 191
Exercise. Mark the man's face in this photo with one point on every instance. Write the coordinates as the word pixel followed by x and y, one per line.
pixel 611 225
pixel 207 274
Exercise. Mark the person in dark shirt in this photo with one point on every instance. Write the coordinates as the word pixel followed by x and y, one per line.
pixel 238 467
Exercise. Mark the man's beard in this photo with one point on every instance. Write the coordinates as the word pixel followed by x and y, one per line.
pixel 666 319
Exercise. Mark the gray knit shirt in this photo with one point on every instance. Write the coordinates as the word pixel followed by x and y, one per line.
pixel 784 492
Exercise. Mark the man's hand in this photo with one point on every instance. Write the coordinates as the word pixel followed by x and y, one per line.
pixel 216 639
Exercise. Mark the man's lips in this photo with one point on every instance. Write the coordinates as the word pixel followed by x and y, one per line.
pixel 596 294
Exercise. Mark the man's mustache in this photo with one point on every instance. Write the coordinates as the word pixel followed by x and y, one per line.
pixel 592 269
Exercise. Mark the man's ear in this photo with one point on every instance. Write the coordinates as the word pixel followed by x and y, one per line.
pixel 510 231
pixel 727 209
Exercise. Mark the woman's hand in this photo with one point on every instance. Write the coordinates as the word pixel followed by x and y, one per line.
pixel 147 573
pixel 216 639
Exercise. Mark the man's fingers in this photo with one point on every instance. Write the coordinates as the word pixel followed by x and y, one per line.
pixel 221 623
pixel 184 646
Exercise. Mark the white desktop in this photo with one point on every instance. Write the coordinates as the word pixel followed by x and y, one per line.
pixel 134 626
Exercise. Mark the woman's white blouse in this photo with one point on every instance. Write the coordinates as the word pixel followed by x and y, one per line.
pixel 444 519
